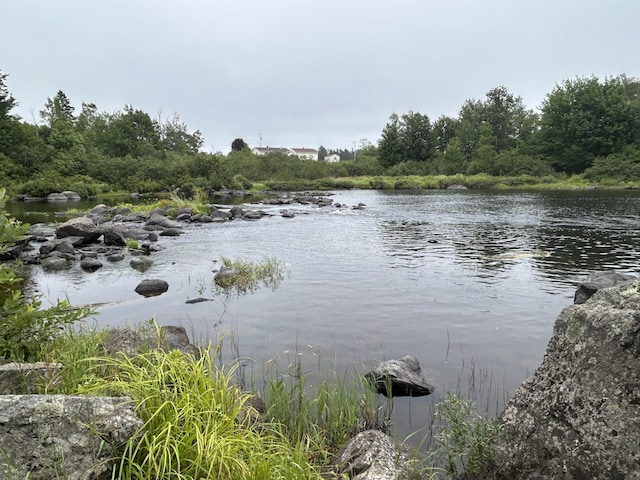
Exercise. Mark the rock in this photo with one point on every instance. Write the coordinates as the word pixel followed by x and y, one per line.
pixel 197 300
pixel 132 341
pixel 57 197
pixel 456 187
pixel 90 264
pixel 63 245
pixel 55 263
pixel 236 212
pixel 157 219
pixel 113 236
pixel 27 378
pixel 82 227
pixel 224 273
pixel 151 287
pixel 141 264
pixel 101 210
pixel 287 214
pixel 371 455
pixel 253 215
pixel 115 257
pixel 171 232
pixel 60 436
pixel 404 376
pixel 598 280
pixel 71 195
pixel 578 416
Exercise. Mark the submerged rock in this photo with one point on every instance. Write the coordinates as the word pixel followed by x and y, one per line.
pixel 403 376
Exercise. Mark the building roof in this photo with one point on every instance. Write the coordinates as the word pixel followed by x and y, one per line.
pixel 286 150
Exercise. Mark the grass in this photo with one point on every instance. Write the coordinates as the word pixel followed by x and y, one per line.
pixel 132 244
pixel 195 422
pixel 199 424
pixel 250 275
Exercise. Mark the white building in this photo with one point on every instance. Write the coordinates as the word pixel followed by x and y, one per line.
pixel 302 153
pixel 333 158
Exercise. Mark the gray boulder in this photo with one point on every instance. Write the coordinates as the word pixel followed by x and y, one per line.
pixel 90 264
pixel 82 227
pixel 578 416
pixel 54 263
pixel 598 280
pixel 71 195
pixel 403 376
pixel 171 232
pixel 224 273
pixel 60 436
pixel 64 245
pixel 57 197
pixel 236 212
pixel 132 341
pixel 113 236
pixel 157 219
pixel 141 264
pixel 372 455
pixel 151 287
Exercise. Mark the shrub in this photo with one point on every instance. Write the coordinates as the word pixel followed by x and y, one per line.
pixel 466 440
pixel 25 329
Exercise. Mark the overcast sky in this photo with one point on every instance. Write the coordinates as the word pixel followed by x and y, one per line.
pixel 305 73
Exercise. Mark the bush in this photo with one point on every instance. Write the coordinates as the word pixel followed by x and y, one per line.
pixel 624 166
pixel 26 331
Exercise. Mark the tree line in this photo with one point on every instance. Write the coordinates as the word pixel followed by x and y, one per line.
pixel 585 126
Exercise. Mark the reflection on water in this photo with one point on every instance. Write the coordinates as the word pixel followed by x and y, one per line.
pixel 445 276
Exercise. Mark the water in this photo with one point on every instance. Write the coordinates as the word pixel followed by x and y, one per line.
pixel 469 282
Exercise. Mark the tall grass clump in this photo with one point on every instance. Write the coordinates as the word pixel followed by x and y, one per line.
pixel 466 442
pixel 245 276
pixel 326 414
pixel 196 423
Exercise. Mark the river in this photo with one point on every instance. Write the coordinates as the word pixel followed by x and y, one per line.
pixel 470 282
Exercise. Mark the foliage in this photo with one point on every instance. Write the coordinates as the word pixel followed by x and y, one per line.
pixel 467 442
pixel 238 145
pixel 586 118
pixel 582 122
pixel 11 230
pixel 622 166
pixel 25 328
pixel 196 423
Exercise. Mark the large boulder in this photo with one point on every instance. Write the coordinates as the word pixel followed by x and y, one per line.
pixel 60 436
pixel 403 377
pixel 79 227
pixel 578 416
